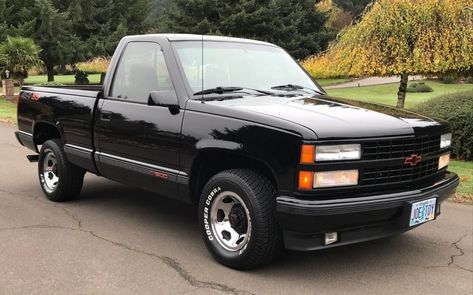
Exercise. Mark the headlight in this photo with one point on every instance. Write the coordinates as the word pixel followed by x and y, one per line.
pixel 335 178
pixel 337 152
pixel 444 160
pixel 445 140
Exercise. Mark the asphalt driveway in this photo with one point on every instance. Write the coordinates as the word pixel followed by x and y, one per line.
pixel 121 240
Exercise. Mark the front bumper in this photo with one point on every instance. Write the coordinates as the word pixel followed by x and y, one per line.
pixel 304 222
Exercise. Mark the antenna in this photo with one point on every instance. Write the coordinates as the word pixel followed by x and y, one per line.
pixel 202 66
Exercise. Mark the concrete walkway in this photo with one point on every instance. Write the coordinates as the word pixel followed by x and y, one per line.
pixel 372 81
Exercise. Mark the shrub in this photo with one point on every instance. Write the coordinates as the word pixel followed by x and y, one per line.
pixel 449 78
pixel 50 84
pixel 457 109
pixel 81 78
pixel 18 55
pixel 419 87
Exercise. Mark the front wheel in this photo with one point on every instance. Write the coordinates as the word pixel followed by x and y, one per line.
pixel 236 213
pixel 59 179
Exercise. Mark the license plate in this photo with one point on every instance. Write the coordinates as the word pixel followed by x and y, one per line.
pixel 422 211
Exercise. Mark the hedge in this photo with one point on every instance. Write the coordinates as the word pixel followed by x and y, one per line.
pixel 419 87
pixel 457 109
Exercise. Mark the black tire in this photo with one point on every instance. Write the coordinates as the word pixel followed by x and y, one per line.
pixel 259 196
pixel 70 177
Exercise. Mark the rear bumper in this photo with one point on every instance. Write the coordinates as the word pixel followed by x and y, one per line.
pixel 304 222
pixel 26 139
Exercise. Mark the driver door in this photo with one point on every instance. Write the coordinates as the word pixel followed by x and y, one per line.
pixel 138 142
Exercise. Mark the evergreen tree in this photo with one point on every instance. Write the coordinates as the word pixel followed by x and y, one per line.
pixel 133 13
pixel 158 9
pixel 355 7
pixel 52 32
pixel 293 24
pixel 299 28
pixel 3 20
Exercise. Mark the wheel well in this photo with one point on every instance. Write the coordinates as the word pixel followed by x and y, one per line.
pixel 43 132
pixel 209 163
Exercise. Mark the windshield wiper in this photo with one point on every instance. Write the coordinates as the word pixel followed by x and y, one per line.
pixel 290 87
pixel 222 90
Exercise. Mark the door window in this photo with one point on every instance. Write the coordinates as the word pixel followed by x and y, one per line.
pixel 141 69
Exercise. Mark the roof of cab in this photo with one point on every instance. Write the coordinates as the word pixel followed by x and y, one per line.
pixel 193 37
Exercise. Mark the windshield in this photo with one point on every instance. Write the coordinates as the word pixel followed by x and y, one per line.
pixel 232 64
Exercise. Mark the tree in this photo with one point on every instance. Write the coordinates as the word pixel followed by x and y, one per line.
pixel 49 28
pixel 293 24
pixel 69 31
pixel 354 7
pixel 3 23
pixel 52 33
pixel 402 37
pixel 158 9
pixel 18 55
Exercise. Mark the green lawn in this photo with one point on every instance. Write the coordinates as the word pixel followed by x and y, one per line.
pixel 7 111
pixel 465 171
pixel 387 94
pixel 63 79
pixel 327 82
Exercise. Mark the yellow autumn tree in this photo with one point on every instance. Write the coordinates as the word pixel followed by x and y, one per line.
pixel 402 37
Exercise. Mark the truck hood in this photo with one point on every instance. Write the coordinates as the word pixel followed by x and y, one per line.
pixel 335 118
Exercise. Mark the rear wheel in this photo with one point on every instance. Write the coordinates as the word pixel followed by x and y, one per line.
pixel 59 179
pixel 237 219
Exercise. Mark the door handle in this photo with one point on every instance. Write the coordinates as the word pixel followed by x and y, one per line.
pixel 105 116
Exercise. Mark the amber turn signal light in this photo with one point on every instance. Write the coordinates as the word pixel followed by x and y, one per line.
pixel 307 154
pixel 306 180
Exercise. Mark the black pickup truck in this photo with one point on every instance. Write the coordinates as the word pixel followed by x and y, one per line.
pixel 239 128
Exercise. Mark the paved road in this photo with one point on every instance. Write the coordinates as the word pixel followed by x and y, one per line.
pixel 121 240
pixel 371 81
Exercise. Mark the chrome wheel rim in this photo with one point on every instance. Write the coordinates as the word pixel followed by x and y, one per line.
pixel 50 171
pixel 230 221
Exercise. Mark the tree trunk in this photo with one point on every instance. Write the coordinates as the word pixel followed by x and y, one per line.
pixel 50 70
pixel 401 95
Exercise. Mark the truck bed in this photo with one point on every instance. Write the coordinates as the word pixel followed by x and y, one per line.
pixel 81 90
pixel 69 108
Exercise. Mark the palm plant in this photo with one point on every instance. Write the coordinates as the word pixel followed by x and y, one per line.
pixel 18 55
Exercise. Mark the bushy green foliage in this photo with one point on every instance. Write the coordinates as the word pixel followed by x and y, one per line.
pixel 449 78
pixel 457 109
pixel 419 87
pixel 18 55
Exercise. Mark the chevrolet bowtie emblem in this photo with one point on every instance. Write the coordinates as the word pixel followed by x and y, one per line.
pixel 413 160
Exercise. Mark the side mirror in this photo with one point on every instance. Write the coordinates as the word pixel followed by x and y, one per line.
pixel 166 98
